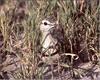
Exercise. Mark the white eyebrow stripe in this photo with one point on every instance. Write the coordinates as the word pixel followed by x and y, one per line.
pixel 48 23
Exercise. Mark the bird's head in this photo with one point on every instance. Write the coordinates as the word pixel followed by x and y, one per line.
pixel 46 25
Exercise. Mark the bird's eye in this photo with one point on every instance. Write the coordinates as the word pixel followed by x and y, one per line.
pixel 45 23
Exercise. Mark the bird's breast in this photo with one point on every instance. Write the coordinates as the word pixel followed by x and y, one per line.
pixel 48 41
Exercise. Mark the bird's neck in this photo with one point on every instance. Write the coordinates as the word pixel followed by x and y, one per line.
pixel 46 39
pixel 45 34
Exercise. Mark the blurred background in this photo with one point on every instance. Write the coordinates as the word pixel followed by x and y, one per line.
pixel 20 35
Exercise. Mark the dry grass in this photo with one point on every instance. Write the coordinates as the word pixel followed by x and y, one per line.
pixel 19 24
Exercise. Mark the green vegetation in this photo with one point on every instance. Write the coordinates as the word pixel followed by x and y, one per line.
pixel 19 25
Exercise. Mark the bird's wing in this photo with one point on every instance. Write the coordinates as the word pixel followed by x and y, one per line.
pixel 57 33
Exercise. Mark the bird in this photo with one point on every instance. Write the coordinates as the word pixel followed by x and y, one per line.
pixel 53 37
